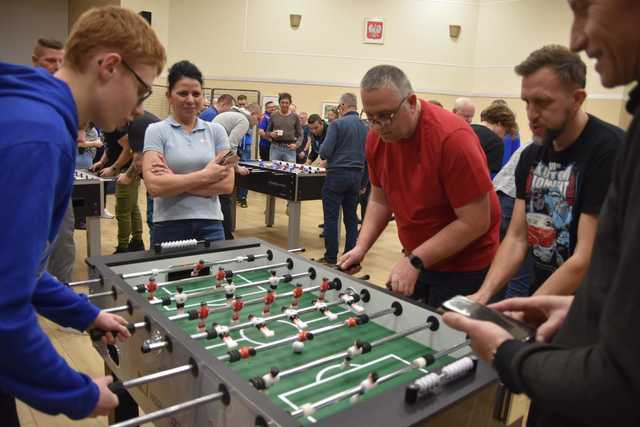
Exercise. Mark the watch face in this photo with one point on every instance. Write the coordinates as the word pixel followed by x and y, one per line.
pixel 415 261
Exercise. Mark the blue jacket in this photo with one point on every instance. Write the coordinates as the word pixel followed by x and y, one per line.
pixel 343 147
pixel 38 129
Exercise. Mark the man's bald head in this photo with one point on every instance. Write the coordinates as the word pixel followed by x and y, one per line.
pixel 464 108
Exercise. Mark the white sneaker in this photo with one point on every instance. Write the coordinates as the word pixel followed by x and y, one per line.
pixel 106 214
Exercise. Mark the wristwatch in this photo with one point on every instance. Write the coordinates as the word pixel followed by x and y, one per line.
pixel 416 262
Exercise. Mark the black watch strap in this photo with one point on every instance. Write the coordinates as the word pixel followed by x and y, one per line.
pixel 416 262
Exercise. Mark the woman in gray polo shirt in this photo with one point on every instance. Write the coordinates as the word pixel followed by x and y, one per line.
pixel 180 164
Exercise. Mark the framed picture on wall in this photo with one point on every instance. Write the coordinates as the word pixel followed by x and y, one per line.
pixel 374 30
pixel 328 106
pixel 268 98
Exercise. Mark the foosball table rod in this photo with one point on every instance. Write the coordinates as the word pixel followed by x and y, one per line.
pixel 246 352
pixel 459 367
pixel 156 376
pixel 222 395
pixel 253 301
pixel 265 320
pixel 274 375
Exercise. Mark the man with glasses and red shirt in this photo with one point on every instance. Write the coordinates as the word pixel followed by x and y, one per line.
pixel 427 168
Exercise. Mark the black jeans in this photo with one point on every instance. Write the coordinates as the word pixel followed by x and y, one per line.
pixel 264 152
pixel 8 411
pixel 341 189
pixel 435 287
pixel 225 206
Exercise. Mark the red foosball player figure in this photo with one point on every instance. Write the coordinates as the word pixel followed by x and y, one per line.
pixel 197 268
pixel 203 313
pixel 220 275
pixel 324 287
pixel 236 306
pixel 269 299
pixel 152 287
pixel 297 294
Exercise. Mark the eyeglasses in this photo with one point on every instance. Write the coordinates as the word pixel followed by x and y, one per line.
pixel 144 90
pixel 382 119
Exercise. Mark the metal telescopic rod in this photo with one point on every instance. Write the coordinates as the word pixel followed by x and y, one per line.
pixel 85 282
pixel 100 294
pixel 146 379
pixel 313 332
pixel 269 319
pixel 116 309
pixel 162 413
pixel 253 301
pixel 342 354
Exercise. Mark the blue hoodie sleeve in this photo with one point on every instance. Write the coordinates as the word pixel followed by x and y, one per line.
pixel 35 188
pixel 60 304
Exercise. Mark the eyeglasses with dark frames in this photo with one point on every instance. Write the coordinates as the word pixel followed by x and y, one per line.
pixel 144 90
pixel 382 119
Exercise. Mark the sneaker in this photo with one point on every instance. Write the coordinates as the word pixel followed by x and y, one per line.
pixel 243 203
pixel 106 214
pixel 120 250
pixel 136 245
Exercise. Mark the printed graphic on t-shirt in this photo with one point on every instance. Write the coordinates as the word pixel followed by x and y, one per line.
pixel 551 190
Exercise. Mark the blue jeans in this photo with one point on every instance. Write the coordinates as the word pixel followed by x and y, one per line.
pixel 200 229
pixel 245 154
pixel 520 283
pixel 282 152
pixel 341 189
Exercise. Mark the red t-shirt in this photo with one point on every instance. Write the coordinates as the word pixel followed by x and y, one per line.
pixel 441 167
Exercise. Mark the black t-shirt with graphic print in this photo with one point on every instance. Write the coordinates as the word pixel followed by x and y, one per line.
pixel 558 186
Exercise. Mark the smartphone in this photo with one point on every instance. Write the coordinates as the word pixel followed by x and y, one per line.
pixel 469 308
pixel 228 158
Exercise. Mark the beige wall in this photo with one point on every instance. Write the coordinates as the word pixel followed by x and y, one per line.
pixel 78 7
pixel 159 15
pixel 249 44
pixel 23 22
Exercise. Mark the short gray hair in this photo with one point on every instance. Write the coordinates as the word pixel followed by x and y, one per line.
pixel 462 102
pixel 349 100
pixel 386 76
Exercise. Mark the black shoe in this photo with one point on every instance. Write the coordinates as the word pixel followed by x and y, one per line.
pixel 321 235
pixel 320 225
pixel 243 203
pixel 136 245
pixel 324 261
pixel 81 225
pixel 120 250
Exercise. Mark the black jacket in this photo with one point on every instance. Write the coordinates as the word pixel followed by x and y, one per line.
pixel 590 374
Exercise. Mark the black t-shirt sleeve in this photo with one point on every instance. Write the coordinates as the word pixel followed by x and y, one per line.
pixel 137 128
pixel 522 171
pixel 597 176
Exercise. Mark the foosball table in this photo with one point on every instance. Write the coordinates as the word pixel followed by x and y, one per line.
pixel 87 199
pixel 242 333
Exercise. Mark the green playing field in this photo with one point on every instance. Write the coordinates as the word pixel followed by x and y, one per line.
pixel 315 383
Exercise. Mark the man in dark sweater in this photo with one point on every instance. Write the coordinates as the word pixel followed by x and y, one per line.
pixel 343 150
pixel 587 375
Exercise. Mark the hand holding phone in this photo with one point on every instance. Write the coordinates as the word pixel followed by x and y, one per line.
pixel 229 158
pixel 469 308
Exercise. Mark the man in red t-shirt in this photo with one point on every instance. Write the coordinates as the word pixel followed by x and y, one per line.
pixel 428 169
